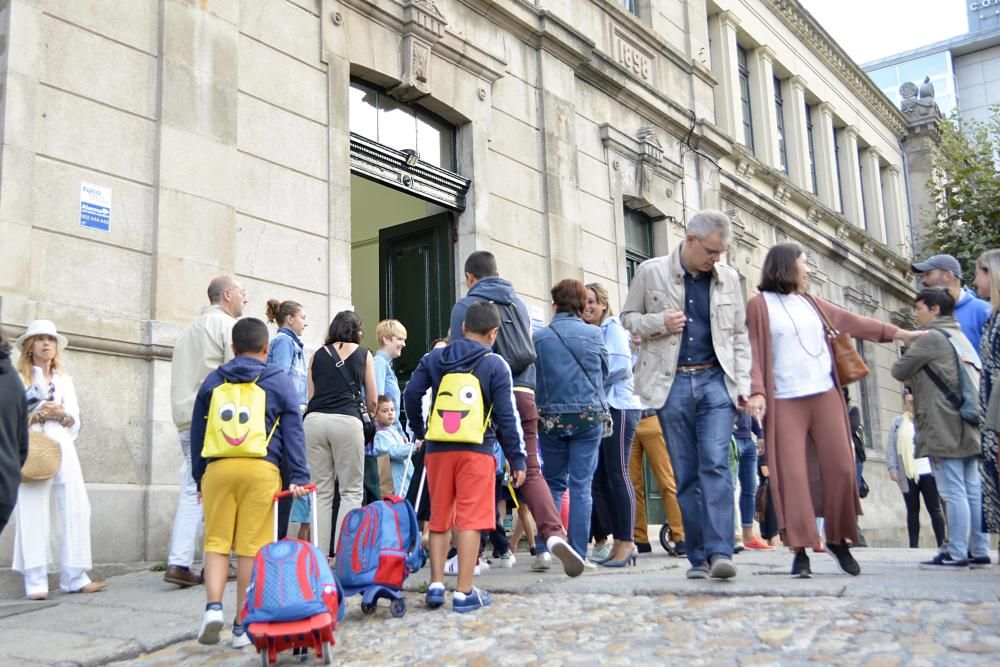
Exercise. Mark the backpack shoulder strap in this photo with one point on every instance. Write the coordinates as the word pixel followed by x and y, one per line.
pixel 954 399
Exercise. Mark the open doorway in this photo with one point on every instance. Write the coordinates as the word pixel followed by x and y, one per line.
pixel 401 266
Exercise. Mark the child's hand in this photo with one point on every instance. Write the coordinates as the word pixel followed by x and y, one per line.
pixel 298 491
pixel 417 444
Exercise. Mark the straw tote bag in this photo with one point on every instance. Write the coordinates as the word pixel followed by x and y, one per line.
pixel 44 458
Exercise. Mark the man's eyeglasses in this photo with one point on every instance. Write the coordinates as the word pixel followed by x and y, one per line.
pixel 712 252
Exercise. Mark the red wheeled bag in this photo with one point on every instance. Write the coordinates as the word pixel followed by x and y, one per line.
pixel 294 600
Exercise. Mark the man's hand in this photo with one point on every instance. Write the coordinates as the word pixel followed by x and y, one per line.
pixel 893 475
pixel 298 491
pixel 517 476
pixel 674 320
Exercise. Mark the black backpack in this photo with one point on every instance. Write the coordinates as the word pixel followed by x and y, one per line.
pixel 514 339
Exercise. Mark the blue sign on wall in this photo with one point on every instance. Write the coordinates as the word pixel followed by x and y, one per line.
pixel 95 207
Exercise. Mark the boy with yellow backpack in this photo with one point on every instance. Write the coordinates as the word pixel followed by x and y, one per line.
pixel 472 405
pixel 245 427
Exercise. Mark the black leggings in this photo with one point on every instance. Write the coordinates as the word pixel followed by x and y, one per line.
pixel 614 495
pixel 926 486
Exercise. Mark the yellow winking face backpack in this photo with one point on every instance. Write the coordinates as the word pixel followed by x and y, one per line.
pixel 458 414
pixel 235 422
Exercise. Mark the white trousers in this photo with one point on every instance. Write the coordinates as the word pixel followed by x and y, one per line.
pixel 189 516
pixel 36 579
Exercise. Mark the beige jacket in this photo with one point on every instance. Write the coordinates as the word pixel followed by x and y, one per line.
pixel 201 347
pixel 659 285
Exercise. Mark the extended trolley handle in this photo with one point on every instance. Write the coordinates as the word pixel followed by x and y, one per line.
pixel 311 488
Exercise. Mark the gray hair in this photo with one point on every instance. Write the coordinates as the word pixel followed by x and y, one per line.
pixel 705 223
pixel 218 286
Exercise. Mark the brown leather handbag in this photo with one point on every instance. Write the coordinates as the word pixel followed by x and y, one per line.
pixel 847 360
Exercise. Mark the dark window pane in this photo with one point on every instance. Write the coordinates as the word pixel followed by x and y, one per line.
pixel 779 114
pixel 744 71
pixel 812 150
pixel 363 111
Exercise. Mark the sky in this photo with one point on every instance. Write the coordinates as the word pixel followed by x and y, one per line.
pixel 871 29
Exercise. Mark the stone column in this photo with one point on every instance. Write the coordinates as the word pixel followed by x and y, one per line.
pixel 922 116
pixel 797 132
pixel 871 182
pixel 824 146
pixel 557 85
pixel 765 134
pixel 895 211
pixel 728 111
pixel 850 176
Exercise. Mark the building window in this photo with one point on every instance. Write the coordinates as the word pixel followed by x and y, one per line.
pixel 741 58
pixel 376 116
pixel 779 115
pixel 638 241
pixel 836 161
pixel 812 150
pixel 631 6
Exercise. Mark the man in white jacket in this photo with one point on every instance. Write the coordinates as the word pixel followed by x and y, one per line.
pixel 201 347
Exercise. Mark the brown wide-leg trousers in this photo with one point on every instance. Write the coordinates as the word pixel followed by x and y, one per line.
pixel 535 490
pixel 649 441
pixel 799 493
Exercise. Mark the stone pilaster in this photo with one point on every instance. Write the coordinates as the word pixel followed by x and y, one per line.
pixel 728 112
pixel 765 134
pixel 824 146
pixel 797 132
pixel 850 175
pixel 871 182
pixel 896 215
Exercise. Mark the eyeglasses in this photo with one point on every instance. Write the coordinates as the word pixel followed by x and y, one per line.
pixel 712 252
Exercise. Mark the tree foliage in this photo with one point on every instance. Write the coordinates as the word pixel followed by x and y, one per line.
pixel 965 186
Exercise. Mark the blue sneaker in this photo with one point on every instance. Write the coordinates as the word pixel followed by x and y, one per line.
pixel 434 597
pixel 462 602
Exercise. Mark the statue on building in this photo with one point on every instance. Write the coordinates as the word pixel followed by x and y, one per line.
pixel 918 103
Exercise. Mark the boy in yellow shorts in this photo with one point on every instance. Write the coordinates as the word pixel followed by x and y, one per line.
pixel 246 426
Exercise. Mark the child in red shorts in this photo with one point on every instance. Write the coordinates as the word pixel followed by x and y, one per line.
pixel 461 475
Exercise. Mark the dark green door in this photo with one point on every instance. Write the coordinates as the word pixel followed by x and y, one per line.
pixel 417 283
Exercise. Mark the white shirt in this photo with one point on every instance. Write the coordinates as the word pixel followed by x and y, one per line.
pixel 802 364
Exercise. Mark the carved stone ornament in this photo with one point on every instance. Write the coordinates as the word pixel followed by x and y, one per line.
pixel 745 170
pixel 890 265
pixel 843 231
pixel 782 193
pixel 423 27
pixel 867 248
pixel 918 104
pixel 815 215
pixel 650 155
pixel 903 318
pixel 742 234
pixel 817 275
pixel 861 295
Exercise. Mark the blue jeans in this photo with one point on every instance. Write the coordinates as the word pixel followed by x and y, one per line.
pixel 698 422
pixel 961 488
pixel 572 460
pixel 746 451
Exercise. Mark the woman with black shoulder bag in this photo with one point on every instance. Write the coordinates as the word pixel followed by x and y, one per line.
pixel 335 419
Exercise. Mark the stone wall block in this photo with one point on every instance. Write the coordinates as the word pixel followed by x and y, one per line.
pixel 15 263
pixel 278 254
pixel 274 193
pixel 165 458
pixel 56 205
pixel 202 42
pixel 194 102
pixel 180 287
pixel 132 23
pixel 19 109
pixel 25 39
pixel 515 139
pixel 285 27
pixel 276 135
pixel 517 225
pixel 518 183
pixel 198 165
pixel 281 80
pixel 77 60
pixel 82 132
pixel 196 229
pixel 517 99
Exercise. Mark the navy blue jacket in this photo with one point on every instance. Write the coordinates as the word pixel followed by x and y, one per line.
pixel 494 380
pixel 287 448
pixel 497 290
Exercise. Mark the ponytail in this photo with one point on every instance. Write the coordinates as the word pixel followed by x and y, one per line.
pixel 279 312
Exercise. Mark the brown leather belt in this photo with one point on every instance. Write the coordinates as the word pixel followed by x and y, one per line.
pixel 648 412
pixel 696 367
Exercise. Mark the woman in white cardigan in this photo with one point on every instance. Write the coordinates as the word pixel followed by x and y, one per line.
pixel 58 416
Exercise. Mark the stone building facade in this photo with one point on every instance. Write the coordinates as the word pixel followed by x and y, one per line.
pixel 351 153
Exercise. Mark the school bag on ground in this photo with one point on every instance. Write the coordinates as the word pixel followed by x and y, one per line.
pixel 235 422
pixel 968 365
pixel 379 547
pixel 513 341
pixel 458 414
pixel 294 601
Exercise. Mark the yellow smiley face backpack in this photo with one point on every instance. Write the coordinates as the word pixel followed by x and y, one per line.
pixel 458 414
pixel 235 419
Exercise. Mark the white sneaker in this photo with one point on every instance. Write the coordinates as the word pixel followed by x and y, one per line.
pixel 451 567
pixel 542 562
pixel 481 565
pixel 242 639
pixel 506 560
pixel 572 563
pixel 211 626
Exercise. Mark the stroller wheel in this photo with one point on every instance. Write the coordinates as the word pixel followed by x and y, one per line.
pixel 368 609
pixel 665 541
pixel 327 653
pixel 398 608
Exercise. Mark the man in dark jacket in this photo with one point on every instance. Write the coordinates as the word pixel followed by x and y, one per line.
pixel 485 284
pixel 950 441
pixel 13 432
pixel 237 491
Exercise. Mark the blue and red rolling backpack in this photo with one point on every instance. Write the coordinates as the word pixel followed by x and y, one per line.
pixel 379 547
pixel 291 581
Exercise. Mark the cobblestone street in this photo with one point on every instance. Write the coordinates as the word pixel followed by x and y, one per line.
pixel 893 614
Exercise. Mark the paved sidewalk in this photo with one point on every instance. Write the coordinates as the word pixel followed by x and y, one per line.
pixel 893 614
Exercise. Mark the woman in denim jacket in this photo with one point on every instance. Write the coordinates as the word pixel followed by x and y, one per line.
pixel 614 495
pixel 571 370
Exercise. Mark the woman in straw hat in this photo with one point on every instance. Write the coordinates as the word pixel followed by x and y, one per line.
pixel 58 417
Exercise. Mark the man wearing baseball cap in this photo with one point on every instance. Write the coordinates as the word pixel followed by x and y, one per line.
pixel 970 311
